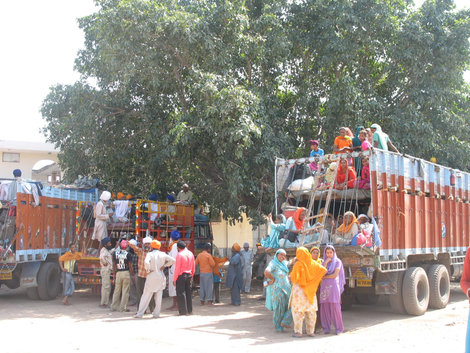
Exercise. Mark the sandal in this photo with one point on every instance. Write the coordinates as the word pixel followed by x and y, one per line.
pixel 295 335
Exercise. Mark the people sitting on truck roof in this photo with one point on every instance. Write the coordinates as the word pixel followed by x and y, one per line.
pixel 363 182
pixel 366 230
pixel 295 225
pixel 315 151
pixel 277 226
pixel 381 139
pixel 153 209
pixel 346 176
pixel 121 209
pixel 22 186
pixel 343 143
pixel 185 196
pixel 357 148
pixel 346 231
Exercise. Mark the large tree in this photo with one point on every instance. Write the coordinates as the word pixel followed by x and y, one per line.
pixel 210 91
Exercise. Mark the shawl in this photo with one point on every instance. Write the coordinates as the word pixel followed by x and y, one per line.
pixel 219 263
pixel 307 273
pixel 299 224
pixel 345 228
pixel 68 256
pixel 382 136
pixel 332 265
pixel 319 260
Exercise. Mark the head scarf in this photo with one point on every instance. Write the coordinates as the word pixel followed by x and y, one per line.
pixel 307 273
pixel 330 172
pixel 356 140
pixel 219 263
pixel 319 260
pixel 333 265
pixel 382 136
pixel 345 228
pixel 236 247
pixel 281 265
pixel 299 224
pixel 105 241
pixel 246 245
pixel 349 132
pixel 153 197
pixel 314 142
pixel 133 242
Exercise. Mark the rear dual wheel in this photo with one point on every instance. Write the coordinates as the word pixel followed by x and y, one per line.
pixel 416 290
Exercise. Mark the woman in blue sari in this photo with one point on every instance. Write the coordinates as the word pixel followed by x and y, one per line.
pixel 278 291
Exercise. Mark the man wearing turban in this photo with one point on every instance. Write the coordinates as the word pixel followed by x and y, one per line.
pixel 155 263
pixel 234 275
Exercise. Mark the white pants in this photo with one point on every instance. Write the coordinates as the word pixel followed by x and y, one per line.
pixel 145 301
pixel 247 279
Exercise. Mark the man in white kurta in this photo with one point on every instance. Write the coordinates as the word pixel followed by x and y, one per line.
pixel 100 230
pixel 155 283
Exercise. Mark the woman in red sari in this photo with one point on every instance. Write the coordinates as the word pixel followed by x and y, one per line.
pixel 346 176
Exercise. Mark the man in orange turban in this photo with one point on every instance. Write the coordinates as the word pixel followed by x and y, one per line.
pixel 155 283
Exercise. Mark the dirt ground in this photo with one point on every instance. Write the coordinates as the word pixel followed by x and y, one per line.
pixel 49 326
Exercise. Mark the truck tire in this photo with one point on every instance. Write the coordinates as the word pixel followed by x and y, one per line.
pixel 396 300
pixel 439 286
pixel 13 283
pixel 48 281
pixel 32 293
pixel 416 291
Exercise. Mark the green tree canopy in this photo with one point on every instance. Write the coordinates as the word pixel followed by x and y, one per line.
pixel 210 91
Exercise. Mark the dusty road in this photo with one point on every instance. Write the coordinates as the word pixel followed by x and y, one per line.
pixel 38 326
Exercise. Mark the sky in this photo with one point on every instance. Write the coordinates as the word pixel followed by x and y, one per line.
pixel 40 41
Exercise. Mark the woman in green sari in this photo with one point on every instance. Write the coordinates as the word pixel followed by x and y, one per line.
pixel 278 290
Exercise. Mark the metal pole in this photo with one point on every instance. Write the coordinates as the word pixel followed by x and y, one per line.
pixel 275 186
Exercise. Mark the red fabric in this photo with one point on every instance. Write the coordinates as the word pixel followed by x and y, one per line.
pixel 351 176
pixel 184 264
pixel 299 224
pixel 465 280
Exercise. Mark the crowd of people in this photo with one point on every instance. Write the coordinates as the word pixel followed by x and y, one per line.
pixel 352 172
pixel 293 289
pixel 346 229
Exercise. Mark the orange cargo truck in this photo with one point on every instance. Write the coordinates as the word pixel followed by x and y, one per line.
pixel 421 233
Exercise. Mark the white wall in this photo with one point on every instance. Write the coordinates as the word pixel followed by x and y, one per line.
pixel 27 161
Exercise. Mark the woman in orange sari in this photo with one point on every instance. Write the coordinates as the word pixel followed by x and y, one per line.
pixel 346 176
pixel 306 277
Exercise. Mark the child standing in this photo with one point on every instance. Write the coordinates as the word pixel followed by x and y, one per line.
pixel 315 151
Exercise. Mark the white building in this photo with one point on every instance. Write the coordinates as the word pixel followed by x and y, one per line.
pixel 24 155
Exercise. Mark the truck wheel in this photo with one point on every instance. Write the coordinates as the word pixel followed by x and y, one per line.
pixel 32 293
pixel 367 299
pixel 415 291
pixel 396 300
pixel 13 283
pixel 439 285
pixel 48 281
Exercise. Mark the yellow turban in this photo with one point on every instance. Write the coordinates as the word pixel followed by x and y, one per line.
pixel 236 247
